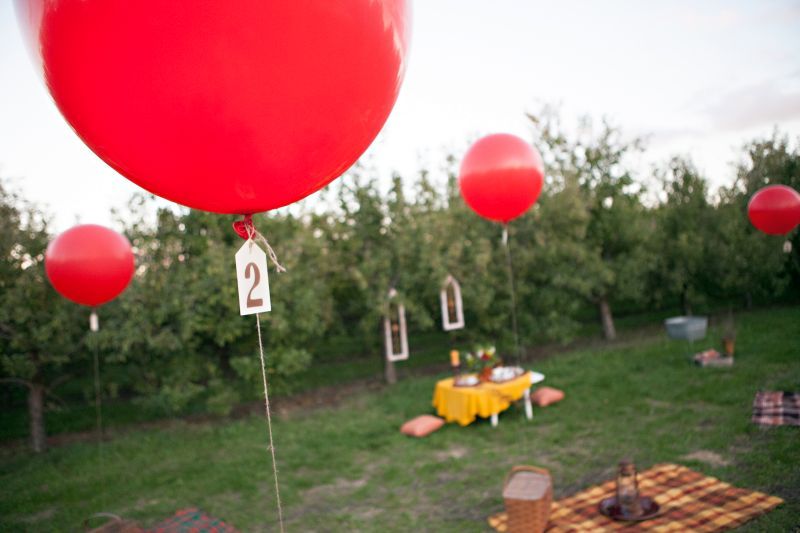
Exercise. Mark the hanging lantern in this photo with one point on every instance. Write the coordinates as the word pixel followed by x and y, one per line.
pixel 394 330
pixel 787 247
pixel 452 305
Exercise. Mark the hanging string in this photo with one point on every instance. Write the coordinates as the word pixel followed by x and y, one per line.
pixel 246 230
pixel 524 440
pixel 94 327
pixel 269 423
pixel 513 292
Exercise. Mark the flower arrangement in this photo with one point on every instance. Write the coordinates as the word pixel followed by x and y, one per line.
pixel 482 360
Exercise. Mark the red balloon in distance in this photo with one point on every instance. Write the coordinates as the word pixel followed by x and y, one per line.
pixel 501 177
pixel 775 209
pixel 226 106
pixel 89 264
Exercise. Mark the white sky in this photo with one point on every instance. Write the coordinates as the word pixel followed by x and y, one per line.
pixel 700 79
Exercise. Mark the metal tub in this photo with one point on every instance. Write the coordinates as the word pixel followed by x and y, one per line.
pixel 687 328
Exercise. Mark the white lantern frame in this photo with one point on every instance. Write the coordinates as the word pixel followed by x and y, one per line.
pixel 447 324
pixel 391 355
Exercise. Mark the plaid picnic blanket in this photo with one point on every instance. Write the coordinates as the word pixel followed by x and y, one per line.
pixel 689 501
pixel 712 358
pixel 192 521
pixel 777 408
pixel 707 355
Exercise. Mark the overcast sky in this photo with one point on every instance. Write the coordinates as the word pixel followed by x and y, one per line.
pixel 699 78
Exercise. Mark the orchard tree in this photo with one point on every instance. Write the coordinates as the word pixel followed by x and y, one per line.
pixel 467 246
pixel 684 232
pixel 752 264
pixel 41 333
pixel 552 259
pixel 178 333
pixel 593 164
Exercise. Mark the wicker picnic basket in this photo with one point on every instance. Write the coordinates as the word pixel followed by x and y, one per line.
pixel 528 494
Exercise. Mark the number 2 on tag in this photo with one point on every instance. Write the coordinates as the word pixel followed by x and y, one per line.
pixel 252 279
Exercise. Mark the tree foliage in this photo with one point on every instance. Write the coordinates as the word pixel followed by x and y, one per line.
pixel 41 334
pixel 592 246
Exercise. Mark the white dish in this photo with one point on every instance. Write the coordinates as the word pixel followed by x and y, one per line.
pixel 466 381
pixel 505 373
pixel 536 377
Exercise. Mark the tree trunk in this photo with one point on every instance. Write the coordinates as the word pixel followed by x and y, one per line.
pixel 609 331
pixel 36 415
pixel 389 372
pixel 685 304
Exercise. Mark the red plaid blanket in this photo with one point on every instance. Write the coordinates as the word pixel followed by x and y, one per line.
pixel 192 521
pixel 777 408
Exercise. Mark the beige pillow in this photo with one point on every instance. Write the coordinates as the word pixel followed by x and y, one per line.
pixel 421 426
pixel 544 396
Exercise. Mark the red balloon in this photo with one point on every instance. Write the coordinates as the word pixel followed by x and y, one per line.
pixel 501 177
pixel 775 209
pixel 226 106
pixel 89 264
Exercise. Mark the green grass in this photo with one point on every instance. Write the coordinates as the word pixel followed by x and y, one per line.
pixel 346 467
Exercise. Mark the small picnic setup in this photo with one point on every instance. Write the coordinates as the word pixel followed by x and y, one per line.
pixel 665 497
pixel 203 111
pixel 462 399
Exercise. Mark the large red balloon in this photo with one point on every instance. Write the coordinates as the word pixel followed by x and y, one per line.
pixel 89 264
pixel 501 177
pixel 775 209
pixel 231 106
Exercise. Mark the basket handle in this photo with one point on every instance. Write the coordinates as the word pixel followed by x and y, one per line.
pixel 527 468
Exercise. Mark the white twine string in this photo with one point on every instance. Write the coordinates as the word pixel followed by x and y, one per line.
pixel 513 292
pixel 524 439
pixel 269 418
pixel 253 233
pixel 94 327
pixel 252 236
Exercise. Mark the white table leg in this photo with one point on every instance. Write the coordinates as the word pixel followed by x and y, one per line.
pixel 494 420
pixel 528 406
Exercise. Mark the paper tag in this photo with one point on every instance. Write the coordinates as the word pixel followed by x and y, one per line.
pixel 252 279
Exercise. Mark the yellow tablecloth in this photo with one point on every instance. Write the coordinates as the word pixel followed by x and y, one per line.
pixel 464 404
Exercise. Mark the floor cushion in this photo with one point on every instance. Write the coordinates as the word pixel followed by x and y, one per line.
pixel 421 426
pixel 544 396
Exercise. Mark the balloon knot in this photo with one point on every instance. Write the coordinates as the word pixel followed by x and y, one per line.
pixel 244 228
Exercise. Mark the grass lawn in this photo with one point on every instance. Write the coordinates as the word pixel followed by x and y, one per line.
pixel 347 468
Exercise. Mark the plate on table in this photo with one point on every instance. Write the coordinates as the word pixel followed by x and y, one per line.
pixel 466 381
pixel 502 374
